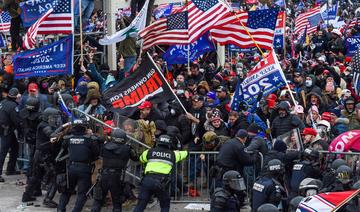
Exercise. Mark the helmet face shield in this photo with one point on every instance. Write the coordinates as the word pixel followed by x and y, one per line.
pixel 237 184
pixel 344 177
pixel 311 192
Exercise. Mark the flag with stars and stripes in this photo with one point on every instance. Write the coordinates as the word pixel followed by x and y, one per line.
pixel 265 78
pixel 279 36
pixel 310 19
pixel 259 23
pixel 186 25
pixel 356 71
pixel 60 21
pixel 29 40
pixel 5 19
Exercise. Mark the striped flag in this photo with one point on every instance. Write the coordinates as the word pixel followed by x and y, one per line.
pixel 259 23
pixel 60 21
pixel 5 19
pixel 198 17
pixel 309 19
pixel 356 69
pixel 354 23
pixel 30 36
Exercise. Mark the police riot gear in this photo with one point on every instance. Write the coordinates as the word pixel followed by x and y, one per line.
pixel 268 188
pixel 52 117
pixel 267 208
pixel 224 200
pixel 234 181
pixel 83 150
pixel 116 155
pixel 79 125
pixel 159 164
pixel 343 174
pixel 309 187
pixel 337 163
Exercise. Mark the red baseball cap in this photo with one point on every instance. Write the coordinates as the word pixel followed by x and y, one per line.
pixel 33 87
pixel 326 116
pixel 309 131
pixel 145 104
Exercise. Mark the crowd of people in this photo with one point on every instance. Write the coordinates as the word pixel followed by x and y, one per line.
pixel 54 122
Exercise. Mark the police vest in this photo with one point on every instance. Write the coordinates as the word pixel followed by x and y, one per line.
pixel 80 148
pixel 160 161
pixel 299 173
pixel 115 155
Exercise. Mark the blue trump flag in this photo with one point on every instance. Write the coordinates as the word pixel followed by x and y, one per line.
pixel 32 10
pixel 178 54
pixel 329 12
pixel 352 44
pixel 163 11
pixel 50 60
pixel 265 78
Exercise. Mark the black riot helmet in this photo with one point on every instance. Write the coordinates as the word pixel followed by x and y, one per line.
pixel 32 104
pixel 343 174
pixel 311 154
pixel 294 203
pixel 52 116
pixel 233 180
pixel 309 187
pixel 118 135
pixel 337 163
pixel 275 167
pixel 79 126
pixel 267 208
pixel 164 140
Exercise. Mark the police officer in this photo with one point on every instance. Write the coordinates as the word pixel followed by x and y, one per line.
pixel 83 149
pixel 268 188
pixel 9 121
pixel 329 176
pixel 309 187
pixel 343 180
pixel 31 118
pixel 159 164
pixel 267 208
pixel 115 154
pixel 225 198
pixel 309 167
pixel 44 158
pixel 294 203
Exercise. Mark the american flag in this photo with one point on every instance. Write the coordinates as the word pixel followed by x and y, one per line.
pixel 60 21
pixel 5 19
pixel 354 23
pixel 356 71
pixel 30 36
pixel 201 16
pixel 260 24
pixel 309 19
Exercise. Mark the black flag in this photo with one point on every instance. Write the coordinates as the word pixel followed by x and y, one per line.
pixel 146 83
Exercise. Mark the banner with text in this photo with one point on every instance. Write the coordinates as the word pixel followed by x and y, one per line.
pixel 146 83
pixel 352 44
pixel 50 60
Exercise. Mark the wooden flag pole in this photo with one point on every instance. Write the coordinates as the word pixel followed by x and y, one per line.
pixel 81 35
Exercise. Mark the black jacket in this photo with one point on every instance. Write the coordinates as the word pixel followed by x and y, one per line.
pixel 284 125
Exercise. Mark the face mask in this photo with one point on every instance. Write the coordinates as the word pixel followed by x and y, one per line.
pixel 308 83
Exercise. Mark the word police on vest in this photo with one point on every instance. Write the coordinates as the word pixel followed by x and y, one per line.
pixel 161 154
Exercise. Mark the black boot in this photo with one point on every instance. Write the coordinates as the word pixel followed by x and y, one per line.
pixel 50 203
pixel 37 193
pixel 27 197
pixel 2 180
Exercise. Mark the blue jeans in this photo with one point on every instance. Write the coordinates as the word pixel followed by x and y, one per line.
pixel 129 63
pixel 87 7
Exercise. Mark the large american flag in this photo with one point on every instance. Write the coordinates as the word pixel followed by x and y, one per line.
pixel 356 71
pixel 309 19
pixel 60 21
pixel 5 20
pixel 201 16
pixel 260 24
pixel 30 36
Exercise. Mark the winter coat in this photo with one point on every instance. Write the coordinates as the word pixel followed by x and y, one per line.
pixel 285 124
pixel 354 122
pixel 341 125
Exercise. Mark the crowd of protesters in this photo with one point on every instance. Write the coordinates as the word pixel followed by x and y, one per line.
pixel 319 74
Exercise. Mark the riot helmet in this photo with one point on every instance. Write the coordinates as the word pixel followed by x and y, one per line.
pixel 309 187
pixel 294 203
pixel 311 154
pixel 337 163
pixel 79 126
pixel 343 174
pixel 267 208
pixel 275 167
pixel 233 180
pixel 52 117
pixel 32 104
pixel 164 140
pixel 118 136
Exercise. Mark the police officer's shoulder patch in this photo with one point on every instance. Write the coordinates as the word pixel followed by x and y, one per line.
pixel 298 166
pixel 258 187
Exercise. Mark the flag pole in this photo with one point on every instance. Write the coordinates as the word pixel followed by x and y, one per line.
pixel 162 76
pixel 188 51
pixel 247 31
pixel 284 37
pixel 81 35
